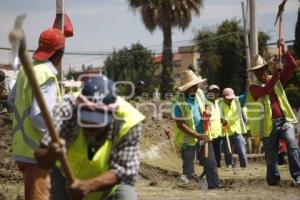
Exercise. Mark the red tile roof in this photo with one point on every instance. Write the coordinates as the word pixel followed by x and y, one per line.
pixel 176 57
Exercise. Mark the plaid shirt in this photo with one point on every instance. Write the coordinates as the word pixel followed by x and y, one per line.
pixel 124 158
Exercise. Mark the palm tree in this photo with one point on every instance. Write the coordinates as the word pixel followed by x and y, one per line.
pixel 166 14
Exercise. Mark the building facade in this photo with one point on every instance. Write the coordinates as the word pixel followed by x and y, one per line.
pixel 185 57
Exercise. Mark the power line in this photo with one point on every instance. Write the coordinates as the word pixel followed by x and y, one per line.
pixel 91 53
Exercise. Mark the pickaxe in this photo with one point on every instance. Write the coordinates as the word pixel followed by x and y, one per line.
pixel 280 17
pixel 17 38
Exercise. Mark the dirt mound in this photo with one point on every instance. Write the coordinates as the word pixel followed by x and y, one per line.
pixel 10 178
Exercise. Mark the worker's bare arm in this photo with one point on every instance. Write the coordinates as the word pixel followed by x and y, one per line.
pixel 81 188
pixel 187 130
pixel 46 156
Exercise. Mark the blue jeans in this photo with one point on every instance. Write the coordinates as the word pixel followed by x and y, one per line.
pixel 284 130
pixel 239 144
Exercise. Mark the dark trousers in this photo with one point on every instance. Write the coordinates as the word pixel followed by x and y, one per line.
pixel 210 166
pixel 284 130
pixel 217 142
pixel 190 153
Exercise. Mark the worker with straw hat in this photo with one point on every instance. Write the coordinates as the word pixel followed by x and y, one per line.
pixel 188 107
pixel 270 114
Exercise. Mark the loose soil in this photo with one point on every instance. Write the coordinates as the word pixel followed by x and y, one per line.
pixel 160 170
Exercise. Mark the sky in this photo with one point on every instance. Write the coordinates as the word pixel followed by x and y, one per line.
pixel 107 25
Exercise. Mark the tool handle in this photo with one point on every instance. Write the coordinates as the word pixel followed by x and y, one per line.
pixel 206 129
pixel 206 150
pixel 280 36
pixel 227 139
pixel 24 58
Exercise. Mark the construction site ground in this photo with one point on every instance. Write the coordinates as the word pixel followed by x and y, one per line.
pixel 160 169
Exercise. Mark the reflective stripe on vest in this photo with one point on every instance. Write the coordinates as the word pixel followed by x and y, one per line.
pixel 19 127
pixel 25 137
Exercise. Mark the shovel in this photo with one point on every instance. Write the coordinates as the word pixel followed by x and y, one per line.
pixel 202 181
pixel 225 128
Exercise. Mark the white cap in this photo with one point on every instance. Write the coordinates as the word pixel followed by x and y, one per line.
pixel 211 87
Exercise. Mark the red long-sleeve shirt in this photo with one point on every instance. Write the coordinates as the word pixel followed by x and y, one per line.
pixel 268 88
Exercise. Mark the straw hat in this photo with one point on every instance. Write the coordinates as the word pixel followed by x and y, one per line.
pixel 188 79
pixel 257 63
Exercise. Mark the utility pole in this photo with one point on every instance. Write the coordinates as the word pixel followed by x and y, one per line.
pixel 60 19
pixel 253 31
pixel 246 40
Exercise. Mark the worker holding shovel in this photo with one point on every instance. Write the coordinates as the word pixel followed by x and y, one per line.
pixel 232 118
pixel 28 123
pixel 187 110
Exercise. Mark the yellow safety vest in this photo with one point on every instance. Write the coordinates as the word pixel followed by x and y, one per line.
pixel 26 138
pixel 245 114
pixel 182 138
pixel 260 112
pixel 233 115
pixel 83 168
pixel 215 129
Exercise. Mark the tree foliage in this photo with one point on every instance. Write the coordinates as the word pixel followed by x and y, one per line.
pixel 293 85
pixel 71 74
pixel 222 52
pixel 293 88
pixel 263 38
pixel 166 14
pixel 132 64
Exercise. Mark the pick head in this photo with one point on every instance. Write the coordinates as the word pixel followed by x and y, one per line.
pixel 280 11
pixel 15 37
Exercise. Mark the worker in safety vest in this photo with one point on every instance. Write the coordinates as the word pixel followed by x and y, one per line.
pixel 101 132
pixel 270 115
pixel 215 121
pixel 187 110
pixel 28 124
pixel 232 119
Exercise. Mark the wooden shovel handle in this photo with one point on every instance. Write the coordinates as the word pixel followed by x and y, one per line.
pixel 227 139
pixel 206 149
pixel 206 128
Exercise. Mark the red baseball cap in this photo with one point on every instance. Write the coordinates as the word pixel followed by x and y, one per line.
pixel 228 93
pixel 50 41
